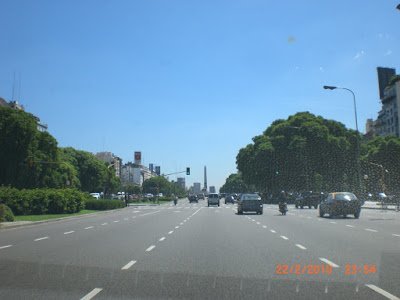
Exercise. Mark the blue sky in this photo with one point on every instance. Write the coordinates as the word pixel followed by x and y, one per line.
pixel 189 83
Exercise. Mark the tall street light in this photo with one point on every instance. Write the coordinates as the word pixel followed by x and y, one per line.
pixel 330 87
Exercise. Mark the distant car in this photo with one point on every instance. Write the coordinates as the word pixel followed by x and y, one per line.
pixel 309 199
pixel 193 198
pixel 229 199
pixel 149 195
pixel 341 203
pixel 200 196
pixel 213 199
pixel 250 202
pixel 160 195
pixel 95 195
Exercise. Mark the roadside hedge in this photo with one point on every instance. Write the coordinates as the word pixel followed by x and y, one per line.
pixel 6 214
pixel 98 204
pixel 43 201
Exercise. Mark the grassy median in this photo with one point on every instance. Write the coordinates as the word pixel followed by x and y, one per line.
pixel 52 216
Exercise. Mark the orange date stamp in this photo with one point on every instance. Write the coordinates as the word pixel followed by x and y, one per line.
pixel 324 269
pixel 298 269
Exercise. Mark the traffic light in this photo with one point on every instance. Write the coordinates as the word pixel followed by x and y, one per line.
pixel 188 171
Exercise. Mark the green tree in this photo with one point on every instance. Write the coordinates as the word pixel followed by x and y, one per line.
pixel 234 184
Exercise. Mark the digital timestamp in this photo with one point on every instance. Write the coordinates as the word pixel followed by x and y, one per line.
pixel 324 269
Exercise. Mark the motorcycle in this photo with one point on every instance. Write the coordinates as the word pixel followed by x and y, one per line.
pixel 283 209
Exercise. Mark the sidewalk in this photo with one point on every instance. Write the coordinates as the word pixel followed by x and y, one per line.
pixel 378 205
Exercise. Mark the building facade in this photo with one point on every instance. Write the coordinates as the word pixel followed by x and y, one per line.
pixel 181 182
pixel 196 187
pixel 387 122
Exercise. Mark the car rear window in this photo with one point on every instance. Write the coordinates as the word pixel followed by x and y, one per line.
pixel 213 196
pixel 345 197
pixel 250 197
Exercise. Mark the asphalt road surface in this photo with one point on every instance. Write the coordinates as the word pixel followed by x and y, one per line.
pixel 191 251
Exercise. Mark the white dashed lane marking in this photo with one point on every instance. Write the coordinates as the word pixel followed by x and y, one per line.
pixel 104 224
pixel 273 231
pixel 4 247
pixel 351 226
pixel 301 247
pixel 92 294
pixel 371 230
pixel 128 265
pixel 284 237
pixel 41 239
pixel 382 292
pixel 116 221
pixel 398 235
pixel 328 262
pixel 162 239
pixel 150 248
pixel 170 232
pixel 264 226
pixel 90 227
pixel 69 232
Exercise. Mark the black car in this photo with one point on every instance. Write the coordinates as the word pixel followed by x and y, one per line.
pixel 308 199
pixel 340 204
pixel 193 198
pixel 229 199
pixel 250 202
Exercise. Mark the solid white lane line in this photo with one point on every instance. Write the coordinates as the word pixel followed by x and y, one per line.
pixel 301 247
pixel 328 262
pixel 382 292
pixel 128 265
pixel 69 232
pixel 4 247
pixel 92 294
pixel 371 230
pixel 284 237
pixel 398 235
pixel 273 231
pixel 90 227
pixel 351 226
pixel 150 248
pixel 264 226
pixel 104 224
pixel 170 232
pixel 41 239
pixel 116 221
pixel 163 238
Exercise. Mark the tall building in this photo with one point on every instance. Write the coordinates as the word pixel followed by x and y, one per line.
pixel 110 158
pixel 387 122
pixel 205 179
pixel 181 182
pixel 212 189
pixel 197 187
pixel 384 76
pixel 151 167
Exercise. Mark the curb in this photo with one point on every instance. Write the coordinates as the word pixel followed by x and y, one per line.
pixel 10 225
pixel 379 208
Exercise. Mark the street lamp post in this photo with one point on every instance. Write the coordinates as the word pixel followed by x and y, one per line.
pixel 329 87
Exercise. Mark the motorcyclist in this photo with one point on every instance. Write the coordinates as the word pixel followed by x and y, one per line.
pixel 282 200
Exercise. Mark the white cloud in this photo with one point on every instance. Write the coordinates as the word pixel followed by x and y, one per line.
pixel 389 52
pixel 359 54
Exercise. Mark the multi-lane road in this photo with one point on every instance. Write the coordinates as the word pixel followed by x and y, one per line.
pixel 194 251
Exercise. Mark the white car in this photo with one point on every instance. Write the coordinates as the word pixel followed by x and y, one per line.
pixel 95 195
pixel 213 199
